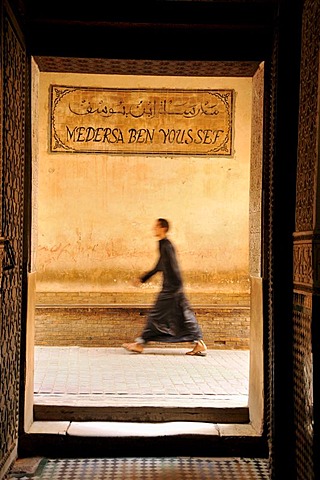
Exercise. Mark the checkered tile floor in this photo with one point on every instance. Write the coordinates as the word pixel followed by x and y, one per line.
pixel 174 468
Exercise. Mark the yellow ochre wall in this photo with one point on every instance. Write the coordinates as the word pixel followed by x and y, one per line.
pixel 95 212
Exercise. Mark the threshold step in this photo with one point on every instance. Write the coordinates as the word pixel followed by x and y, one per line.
pixel 223 414
pixel 140 429
pixel 121 439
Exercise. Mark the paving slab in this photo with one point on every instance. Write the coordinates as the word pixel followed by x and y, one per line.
pixel 113 376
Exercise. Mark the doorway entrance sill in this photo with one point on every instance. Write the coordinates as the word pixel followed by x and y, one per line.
pixel 140 429
pixel 113 439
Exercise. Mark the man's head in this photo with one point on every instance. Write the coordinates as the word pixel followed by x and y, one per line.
pixel 161 227
pixel 163 223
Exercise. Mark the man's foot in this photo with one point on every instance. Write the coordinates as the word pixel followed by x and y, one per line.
pixel 133 347
pixel 200 349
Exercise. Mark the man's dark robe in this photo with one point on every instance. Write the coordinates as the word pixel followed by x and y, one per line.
pixel 171 319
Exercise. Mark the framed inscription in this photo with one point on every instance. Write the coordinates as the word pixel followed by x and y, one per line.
pixel 141 121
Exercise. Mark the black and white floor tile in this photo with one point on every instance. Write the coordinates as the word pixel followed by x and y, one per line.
pixel 172 468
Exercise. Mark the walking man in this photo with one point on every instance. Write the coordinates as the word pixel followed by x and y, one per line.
pixel 171 318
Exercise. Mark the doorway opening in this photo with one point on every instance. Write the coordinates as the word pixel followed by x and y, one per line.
pixel 203 298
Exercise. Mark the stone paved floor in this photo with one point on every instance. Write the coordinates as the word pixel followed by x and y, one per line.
pixel 100 374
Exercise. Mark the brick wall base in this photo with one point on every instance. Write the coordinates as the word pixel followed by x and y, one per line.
pixel 224 327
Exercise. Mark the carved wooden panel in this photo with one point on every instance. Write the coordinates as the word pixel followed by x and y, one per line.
pixel 103 66
pixel 308 149
pixel 303 387
pixel 306 261
pixel 302 262
pixel 306 258
pixel 13 157
pixel 255 217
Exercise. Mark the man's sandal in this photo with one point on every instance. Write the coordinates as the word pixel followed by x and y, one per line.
pixel 132 347
pixel 197 354
pixel 200 349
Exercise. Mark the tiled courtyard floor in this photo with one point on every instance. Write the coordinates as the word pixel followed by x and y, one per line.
pixel 112 375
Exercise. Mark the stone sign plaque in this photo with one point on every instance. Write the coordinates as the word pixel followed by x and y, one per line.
pixel 141 121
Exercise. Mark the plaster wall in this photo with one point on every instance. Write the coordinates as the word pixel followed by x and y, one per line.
pixel 95 212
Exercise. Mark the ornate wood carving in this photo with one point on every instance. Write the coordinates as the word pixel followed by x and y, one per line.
pixel 255 216
pixel 12 161
pixel 306 242
pixel 306 261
